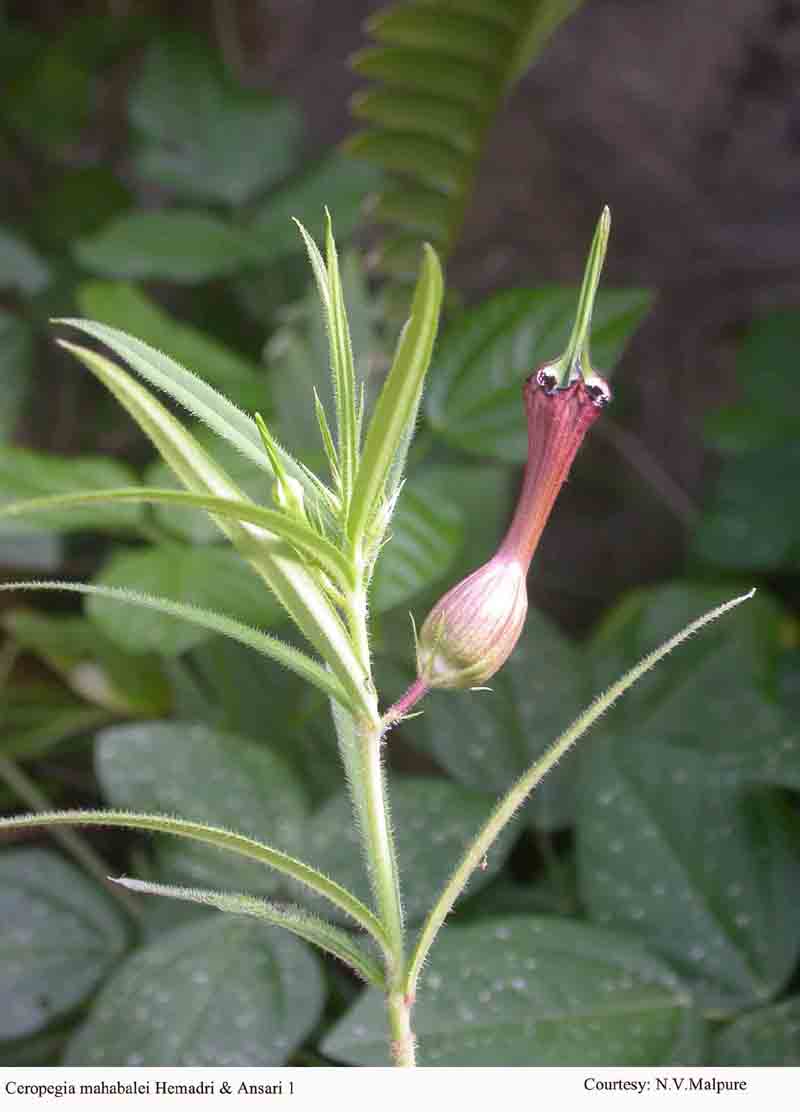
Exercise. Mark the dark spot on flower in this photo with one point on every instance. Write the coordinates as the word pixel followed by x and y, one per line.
pixel 547 381
pixel 599 394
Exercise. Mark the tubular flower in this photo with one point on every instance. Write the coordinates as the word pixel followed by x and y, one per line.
pixel 472 630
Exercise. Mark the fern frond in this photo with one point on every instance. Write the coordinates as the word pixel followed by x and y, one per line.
pixel 440 71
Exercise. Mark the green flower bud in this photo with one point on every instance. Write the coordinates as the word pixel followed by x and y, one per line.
pixel 287 493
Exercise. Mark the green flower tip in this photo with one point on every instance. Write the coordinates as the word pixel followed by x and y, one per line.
pixel 576 363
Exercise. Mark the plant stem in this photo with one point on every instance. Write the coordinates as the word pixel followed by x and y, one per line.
pixel 400 709
pixel 360 747
pixel 403 1046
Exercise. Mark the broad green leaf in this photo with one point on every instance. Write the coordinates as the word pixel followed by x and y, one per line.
pixel 16 354
pixel 529 991
pixel 21 267
pixel 61 936
pixel 205 776
pixel 203 136
pixel 294 919
pixel 392 424
pixel 44 1049
pixel 219 992
pixel 745 524
pixel 787 680
pixel 124 306
pixel 25 474
pixel 481 495
pixel 35 718
pixel 554 893
pixel 91 664
pixel 78 202
pixel 177 246
pixel 697 868
pixel 35 552
pixel 335 181
pixel 474 400
pixel 426 534
pixel 764 1037
pixel 50 101
pixel 245 691
pixel 209 578
pixel 432 820
pixel 767 414
pixel 715 697
pixel 486 739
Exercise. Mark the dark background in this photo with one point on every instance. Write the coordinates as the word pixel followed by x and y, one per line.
pixel 684 116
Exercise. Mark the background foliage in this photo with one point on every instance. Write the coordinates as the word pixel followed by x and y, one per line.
pixel 643 908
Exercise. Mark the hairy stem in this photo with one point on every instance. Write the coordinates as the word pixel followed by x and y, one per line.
pixel 418 690
pixel 360 747
pixel 403 1043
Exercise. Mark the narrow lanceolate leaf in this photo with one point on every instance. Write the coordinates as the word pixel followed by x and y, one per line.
pixel 344 374
pixel 195 395
pixel 294 586
pixel 122 304
pixel 329 287
pixel 310 927
pixel 287 655
pixel 176 767
pixel 392 424
pixel 26 475
pixel 288 528
pixel 212 836
pixel 519 792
